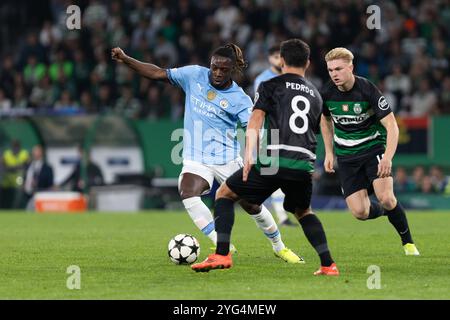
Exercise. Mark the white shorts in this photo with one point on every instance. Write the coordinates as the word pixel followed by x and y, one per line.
pixel 211 172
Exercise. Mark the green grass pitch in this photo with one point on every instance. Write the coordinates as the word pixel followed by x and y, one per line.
pixel 124 256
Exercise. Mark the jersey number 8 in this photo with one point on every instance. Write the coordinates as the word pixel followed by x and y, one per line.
pixel 299 114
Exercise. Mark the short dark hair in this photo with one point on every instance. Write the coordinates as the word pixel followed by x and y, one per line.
pixel 295 52
pixel 274 49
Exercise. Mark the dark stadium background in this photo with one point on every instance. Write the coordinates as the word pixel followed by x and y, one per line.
pixel 59 87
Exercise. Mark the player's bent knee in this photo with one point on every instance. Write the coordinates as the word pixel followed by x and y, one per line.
pixel 360 213
pixel 388 201
pixel 225 192
pixel 301 213
pixel 186 194
pixel 250 208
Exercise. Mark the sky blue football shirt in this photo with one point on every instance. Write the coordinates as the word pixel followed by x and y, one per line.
pixel 211 116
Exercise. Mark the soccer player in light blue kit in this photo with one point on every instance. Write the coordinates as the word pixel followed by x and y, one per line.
pixel 277 197
pixel 214 105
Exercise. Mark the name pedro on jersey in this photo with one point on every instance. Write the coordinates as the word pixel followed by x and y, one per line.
pixel 299 87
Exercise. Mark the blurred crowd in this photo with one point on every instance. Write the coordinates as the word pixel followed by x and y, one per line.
pixel 48 67
pixel 407 180
pixel 432 181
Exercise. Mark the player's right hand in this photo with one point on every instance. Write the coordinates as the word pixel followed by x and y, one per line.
pixel 248 163
pixel 117 54
pixel 329 164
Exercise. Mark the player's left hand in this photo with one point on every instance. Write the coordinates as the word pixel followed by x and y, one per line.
pixel 384 168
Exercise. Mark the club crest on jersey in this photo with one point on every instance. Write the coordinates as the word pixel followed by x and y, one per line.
pixel 211 94
pixel 223 103
pixel 345 107
pixel 357 108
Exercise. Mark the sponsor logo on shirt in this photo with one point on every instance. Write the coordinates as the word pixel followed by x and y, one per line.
pixel 206 109
pixel 382 103
pixel 349 119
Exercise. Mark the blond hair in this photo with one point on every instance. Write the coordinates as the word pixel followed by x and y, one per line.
pixel 339 53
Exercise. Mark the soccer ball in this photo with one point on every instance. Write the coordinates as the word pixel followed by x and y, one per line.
pixel 183 249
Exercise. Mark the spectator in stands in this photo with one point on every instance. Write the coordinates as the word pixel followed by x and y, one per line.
pixel 427 185
pixel 5 103
pixel 158 13
pixel 256 45
pixel 154 107
pixel 32 47
pixel 96 12
pixel 14 160
pixel 226 16
pixel 42 94
pixel 50 34
pixel 424 101
pixel 401 181
pixel 417 178
pixel 85 174
pixel 413 42
pixel 86 102
pixel 34 71
pixel 140 12
pixel 7 76
pixel 20 99
pixel 81 70
pixel 102 68
pixel 38 176
pixel 104 99
pixel 127 105
pixel 65 101
pixel 165 50
pixel 399 84
pixel 438 179
pixel 444 97
pixel 60 65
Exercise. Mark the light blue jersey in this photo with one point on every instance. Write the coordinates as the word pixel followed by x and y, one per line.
pixel 263 76
pixel 210 117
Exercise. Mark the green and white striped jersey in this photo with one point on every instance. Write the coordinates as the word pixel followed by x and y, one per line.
pixel 356 116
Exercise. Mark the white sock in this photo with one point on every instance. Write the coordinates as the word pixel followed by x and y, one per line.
pixel 202 217
pixel 277 199
pixel 267 224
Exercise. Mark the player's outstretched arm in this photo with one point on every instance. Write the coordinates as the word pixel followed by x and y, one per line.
pixel 251 139
pixel 326 126
pixel 385 165
pixel 147 70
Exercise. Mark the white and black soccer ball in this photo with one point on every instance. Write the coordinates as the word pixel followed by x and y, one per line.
pixel 183 249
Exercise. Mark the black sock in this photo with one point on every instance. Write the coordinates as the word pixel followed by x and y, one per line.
pixel 397 218
pixel 223 220
pixel 312 227
pixel 376 210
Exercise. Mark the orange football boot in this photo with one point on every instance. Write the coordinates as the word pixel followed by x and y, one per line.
pixel 214 261
pixel 328 271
